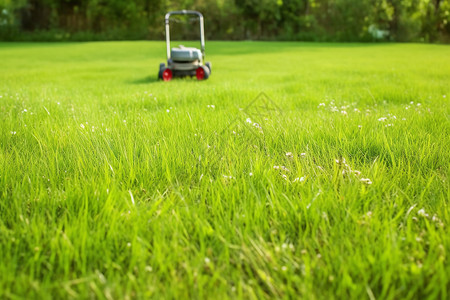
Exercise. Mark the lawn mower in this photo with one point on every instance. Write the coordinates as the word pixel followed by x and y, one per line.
pixel 185 61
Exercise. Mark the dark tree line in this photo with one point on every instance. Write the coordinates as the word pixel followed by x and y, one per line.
pixel 308 20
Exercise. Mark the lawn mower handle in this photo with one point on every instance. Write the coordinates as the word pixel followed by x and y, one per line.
pixel 185 12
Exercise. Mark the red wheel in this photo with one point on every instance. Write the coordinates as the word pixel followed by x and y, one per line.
pixel 167 75
pixel 200 73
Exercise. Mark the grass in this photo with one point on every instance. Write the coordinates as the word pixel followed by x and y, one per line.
pixel 116 186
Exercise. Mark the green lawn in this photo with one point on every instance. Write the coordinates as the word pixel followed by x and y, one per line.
pixel 332 184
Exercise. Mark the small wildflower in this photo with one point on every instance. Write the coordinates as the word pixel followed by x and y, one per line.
pixel 344 112
pixel 167 110
pixel 382 119
pixel 366 181
pixel 250 174
pixel 276 167
pixel 207 260
pixel 128 245
pixel 148 269
pixel 321 104
pixel 302 154
pixel 301 179
pixel 357 173
pixel 289 154
pixel 13 132
pixel 359 126
pixel 81 125
pixel 248 120
pixel 284 268
pixel 422 213
pixel 257 125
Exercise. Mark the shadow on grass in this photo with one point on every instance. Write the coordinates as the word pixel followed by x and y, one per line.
pixel 145 80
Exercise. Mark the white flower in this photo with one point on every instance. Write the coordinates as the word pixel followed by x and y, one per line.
pixel 343 112
pixel 148 268
pixel 321 104
pixel 302 154
pixel 284 268
pixel 276 167
pixel 81 125
pixel 250 174
pixel 207 260
pixel 359 126
pixel 382 119
pixel 422 213
pixel 301 179
pixel 257 125
pixel 167 110
pixel 248 120
pixel 289 154
pixel 357 173
pixel 13 132
pixel 366 181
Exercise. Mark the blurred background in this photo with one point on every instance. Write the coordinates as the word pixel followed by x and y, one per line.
pixel 302 20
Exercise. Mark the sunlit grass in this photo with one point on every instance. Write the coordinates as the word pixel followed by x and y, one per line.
pixel 115 185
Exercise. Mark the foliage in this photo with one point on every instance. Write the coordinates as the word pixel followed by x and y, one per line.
pixel 322 20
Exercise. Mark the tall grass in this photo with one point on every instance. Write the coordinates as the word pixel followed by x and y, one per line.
pixel 114 185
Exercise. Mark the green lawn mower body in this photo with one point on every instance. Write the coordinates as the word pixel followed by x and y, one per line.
pixel 185 61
